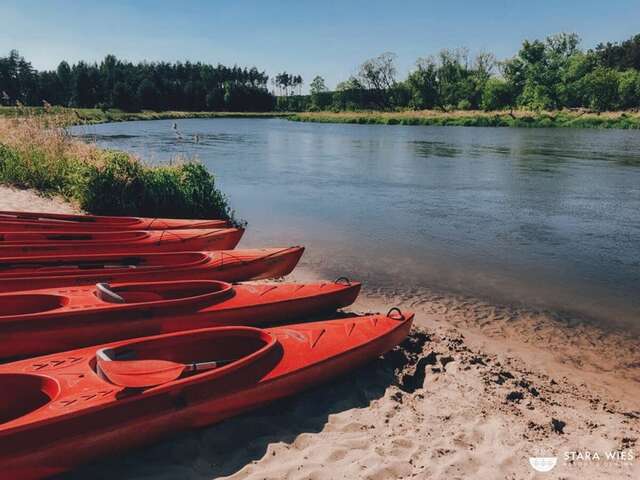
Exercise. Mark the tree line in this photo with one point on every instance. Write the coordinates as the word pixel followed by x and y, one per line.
pixel 548 74
pixel 545 74
pixel 114 83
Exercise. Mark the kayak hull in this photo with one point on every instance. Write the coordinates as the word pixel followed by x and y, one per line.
pixel 11 221
pixel 78 318
pixel 85 417
pixel 26 244
pixel 21 273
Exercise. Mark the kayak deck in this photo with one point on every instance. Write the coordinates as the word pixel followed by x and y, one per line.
pixel 26 273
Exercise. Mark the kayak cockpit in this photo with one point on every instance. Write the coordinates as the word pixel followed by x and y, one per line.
pixel 179 293
pixel 29 304
pixel 81 238
pixel 181 357
pixel 24 394
pixel 43 265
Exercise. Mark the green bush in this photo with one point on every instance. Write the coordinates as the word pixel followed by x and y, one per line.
pixel 118 184
pixel 464 104
pixel 33 169
pixel 122 185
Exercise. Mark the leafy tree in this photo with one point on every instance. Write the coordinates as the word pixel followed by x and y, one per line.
pixel 351 83
pixel 629 88
pixel 601 89
pixel 537 71
pixel 317 85
pixel 113 82
pixel 121 97
pixel 423 84
pixel 215 99
pixel 378 76
pixel 65 77
pixel 496 94
pixel 571 87
pixel 83 91
pixel 287 83
pixel 320 98
pixel 455 81
pixel 148 94
pixel 620 56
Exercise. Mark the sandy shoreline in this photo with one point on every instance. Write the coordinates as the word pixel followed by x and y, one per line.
pixel 473 393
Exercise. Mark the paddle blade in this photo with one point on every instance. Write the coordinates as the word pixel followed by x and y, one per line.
pixel 140 373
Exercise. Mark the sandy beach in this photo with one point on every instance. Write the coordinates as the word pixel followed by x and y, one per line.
pixel 474 392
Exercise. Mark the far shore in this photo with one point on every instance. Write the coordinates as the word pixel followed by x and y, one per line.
pixel 466 118
pixel 83 116
pixel 479 118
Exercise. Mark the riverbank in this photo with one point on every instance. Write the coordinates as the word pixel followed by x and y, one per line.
pixel 464 118
pixel 91 116
pixel 473 393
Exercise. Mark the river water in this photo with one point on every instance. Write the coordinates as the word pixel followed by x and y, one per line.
pixel 547 218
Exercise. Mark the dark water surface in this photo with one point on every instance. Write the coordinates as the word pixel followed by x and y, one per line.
pixel 542 217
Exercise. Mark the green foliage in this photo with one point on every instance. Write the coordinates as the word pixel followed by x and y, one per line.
pixel 33 168
pixel 317 85
pixel 477 119
pixel 320 99
pixel 549 74
pixel 423 85
pixel 629 88
pixel 601 89
pixel 118 184
pixel 496 95
pixel 620 56
pixel 121 185
pixel 464 104
pixel 130 87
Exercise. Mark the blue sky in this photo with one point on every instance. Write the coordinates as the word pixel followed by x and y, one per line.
pixel 327 38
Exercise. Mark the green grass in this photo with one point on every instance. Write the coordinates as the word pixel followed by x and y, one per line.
pixel 571 119
pixel 94 115
pixel 522 118
pixel 33 154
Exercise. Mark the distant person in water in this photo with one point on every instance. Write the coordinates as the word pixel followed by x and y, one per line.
pixel 175 129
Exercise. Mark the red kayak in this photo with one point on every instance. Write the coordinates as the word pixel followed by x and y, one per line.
pixel 27 273
pixel 63 410
pixel 21 244
pixel 35 322
pixel 24 221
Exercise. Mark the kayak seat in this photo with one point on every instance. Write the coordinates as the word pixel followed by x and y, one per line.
pixel 141 296
pixel 158 361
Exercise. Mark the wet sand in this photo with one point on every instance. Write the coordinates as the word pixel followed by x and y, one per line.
pixel 474 392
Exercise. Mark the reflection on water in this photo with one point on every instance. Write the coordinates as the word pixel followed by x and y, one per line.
pixel 547 217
